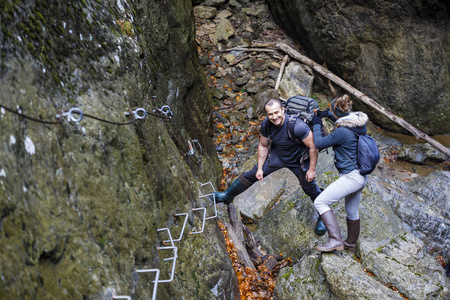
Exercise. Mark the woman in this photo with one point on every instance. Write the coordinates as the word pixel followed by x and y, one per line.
pixel 350 182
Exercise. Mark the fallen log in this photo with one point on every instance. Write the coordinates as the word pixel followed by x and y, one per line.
pixel 249 49
pixel 365 99
pixel 235 219
pixel 241 251
pixel 241 235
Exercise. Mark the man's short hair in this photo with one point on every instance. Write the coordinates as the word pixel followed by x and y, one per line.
pixel 271 102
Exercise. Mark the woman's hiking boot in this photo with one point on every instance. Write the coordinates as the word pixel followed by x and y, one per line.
pixel 353 228
pixel 335 240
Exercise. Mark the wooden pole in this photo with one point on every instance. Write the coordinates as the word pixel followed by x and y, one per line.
pixel 283 65
pixel 369 101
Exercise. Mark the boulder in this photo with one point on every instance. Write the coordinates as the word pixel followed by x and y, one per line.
pixel 403 263
pixel 420 154
pixel 224 30
pixel 304 280
pixel 387 247
pixel 297 80
pixel 423 203
pixel 205 12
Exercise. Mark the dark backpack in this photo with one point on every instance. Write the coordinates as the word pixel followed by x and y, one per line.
pixel 368 154
pixel 301 107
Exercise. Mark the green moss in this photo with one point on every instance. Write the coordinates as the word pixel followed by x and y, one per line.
pixel 288 272
pixel 102 243
pixel 55 77
pixel 40 17
pixel 288 207
pixel 317 265
pixel 30 46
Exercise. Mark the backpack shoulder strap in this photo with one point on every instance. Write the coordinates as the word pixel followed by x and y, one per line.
pixel 346 154
pixel 292 120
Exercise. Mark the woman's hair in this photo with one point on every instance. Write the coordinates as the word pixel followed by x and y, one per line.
pixel 344 103
pixel 341 106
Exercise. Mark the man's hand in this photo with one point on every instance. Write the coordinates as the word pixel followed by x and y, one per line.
pixel 259 174
pixel 310 175
pixel 321 113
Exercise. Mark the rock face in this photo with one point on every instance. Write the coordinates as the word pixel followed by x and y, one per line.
pixel 393 51
pixel 81 202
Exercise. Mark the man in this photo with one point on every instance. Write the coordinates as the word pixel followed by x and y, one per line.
pixel 275 151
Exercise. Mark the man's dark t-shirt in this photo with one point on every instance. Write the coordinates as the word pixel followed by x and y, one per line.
pixel 284 151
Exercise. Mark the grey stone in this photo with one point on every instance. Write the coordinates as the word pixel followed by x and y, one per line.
pixel 261 196
pixel 223 14
pixel 423 204
pixel 224 30
pixel 402 262
pixel 304 280
pixel 243 80
pixel 205 12
pixel 297 80
pixel 348 280
pixel 420 154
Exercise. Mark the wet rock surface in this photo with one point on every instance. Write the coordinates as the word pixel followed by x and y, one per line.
pixel 80 203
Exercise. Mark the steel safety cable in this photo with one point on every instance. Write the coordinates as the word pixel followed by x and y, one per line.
pixel 138 114
pixel 111 122
pixel 60 119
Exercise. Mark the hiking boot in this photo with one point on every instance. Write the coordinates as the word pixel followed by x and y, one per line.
pixel 227 196
pixel 335 240
pixel 353 228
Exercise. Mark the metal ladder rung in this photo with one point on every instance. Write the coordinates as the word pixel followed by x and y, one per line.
pixel 170 236
pixel 174 259
pixel 208 195
pixel 203 220
pixel 172 247
pixel 184 226
pixel 155 286
pixel 215 205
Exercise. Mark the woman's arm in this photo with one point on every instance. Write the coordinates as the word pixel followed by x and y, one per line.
pixel 332 139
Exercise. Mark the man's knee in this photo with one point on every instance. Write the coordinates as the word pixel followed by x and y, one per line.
pixel 311 189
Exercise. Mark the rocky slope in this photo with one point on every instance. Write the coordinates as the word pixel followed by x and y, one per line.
pixel 237 68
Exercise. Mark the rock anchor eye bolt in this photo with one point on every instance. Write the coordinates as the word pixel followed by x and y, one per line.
pixel 195 150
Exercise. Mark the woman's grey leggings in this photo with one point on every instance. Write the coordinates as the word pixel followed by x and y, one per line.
pixel 349 186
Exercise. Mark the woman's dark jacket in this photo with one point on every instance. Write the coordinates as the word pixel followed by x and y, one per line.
pixel 343 139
